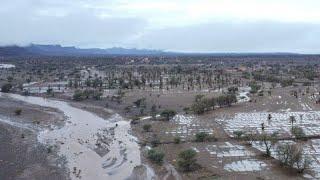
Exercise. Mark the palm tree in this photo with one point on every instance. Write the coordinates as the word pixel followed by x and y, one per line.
pixel 262 126
pixel 269 118
pixel 292 120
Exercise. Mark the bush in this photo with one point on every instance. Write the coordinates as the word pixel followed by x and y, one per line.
pixel 202 137
pixel 186 110
pixel 140 102
pixel 168 113
pixel 203 105
pixel 254 87
pixel 226 100
pixel 268 140
pixel 78 96
pixel 177 140
pixel 286 82
pixel 298 132
pixel 238 134
pixel 250 137
pixel 260 93
pixel 135 120
pixel 86 94
pixel 292 155
pixel 187 160
pixel 155 142
pixel 97 95
pixel 146 127
pixel 6 88
pixel 18 112
pixel 232 90
pixel 155 156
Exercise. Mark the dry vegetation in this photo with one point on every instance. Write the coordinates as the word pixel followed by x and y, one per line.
pixel 186 111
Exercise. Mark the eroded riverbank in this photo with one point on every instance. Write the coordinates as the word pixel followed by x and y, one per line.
pixel 93 147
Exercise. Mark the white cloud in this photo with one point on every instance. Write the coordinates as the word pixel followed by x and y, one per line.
pixel 186 25
pixel 186 12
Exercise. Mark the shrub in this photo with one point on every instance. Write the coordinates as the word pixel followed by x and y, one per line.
pixel 186 110
pixel 78 96
pixel 146 127
pixel 177 140
pixel 187 160
pixel 86 94
pixel 168 113
pixel 298 132
pixel 203 105
pixel 6 88
pixel 97 95
pixel 155 156
pixel 140 102
pixel 286 82
pixel 268 140
pixel 292 155
pixel 238 134
pixel 135 120
pixel 232 90
pixel 254 87
pixel 202 136
pixel 155 142
pixel 260 93
pixel 250 137
pixel 18 111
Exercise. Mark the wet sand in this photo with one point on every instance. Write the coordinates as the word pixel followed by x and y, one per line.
pixel 94 148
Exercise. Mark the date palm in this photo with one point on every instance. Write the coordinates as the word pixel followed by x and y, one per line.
pixel 292 120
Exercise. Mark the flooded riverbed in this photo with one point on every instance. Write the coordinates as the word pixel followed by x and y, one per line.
pixel 7 66
pixel 93 147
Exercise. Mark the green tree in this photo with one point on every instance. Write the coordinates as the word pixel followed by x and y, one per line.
pixel 268 141
pixel 298 132
pixel 6 88
pixel 168 113
pixel 155 156
pixel 18 111
pixel 187 160
pixel 147 127
pixel 292 120
pixel 201 137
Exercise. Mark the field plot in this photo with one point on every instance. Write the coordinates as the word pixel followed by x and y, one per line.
pixel 311 150
pixel 279 122
pixel 187 127
pixel 231 157
pixel 245 165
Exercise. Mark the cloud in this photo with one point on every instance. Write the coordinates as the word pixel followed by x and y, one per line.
pixel 237 37
pixel 55 25
pixel 184 25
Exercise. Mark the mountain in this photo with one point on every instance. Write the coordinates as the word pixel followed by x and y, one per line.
pixel 58 50
pixel 14 51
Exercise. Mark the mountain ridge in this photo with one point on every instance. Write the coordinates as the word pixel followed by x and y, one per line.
pixel 58 50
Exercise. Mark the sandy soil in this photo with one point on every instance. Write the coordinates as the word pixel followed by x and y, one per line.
pixel 21 156
pixel 213 165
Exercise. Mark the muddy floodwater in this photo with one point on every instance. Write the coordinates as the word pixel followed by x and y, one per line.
pixel 7 66
pixel 93 147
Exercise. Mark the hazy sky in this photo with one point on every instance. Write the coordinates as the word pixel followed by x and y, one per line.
pixel 176 25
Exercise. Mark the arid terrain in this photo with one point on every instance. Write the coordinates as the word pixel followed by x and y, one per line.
pixel 184 118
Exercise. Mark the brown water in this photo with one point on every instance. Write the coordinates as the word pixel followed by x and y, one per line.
pixel 78 137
